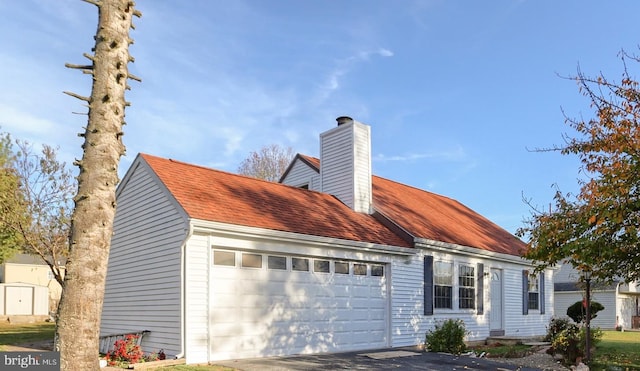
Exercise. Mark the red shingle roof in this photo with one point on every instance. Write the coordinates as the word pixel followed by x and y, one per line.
pixel 439 218
pixel 219 196
pixel 430 216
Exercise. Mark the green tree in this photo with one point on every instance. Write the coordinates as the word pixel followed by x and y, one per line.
pixel 47 187
pixel 269 163
pixel 12 205
pixel 80 309
pixel 597 229
pixel 578 312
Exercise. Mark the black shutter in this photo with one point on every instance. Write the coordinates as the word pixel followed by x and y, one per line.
pixel 541 293
pixel 428 285
pixel 480 290
pixel 525 291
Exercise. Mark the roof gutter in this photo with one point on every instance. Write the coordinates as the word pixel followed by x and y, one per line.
pixel 319 241
pixel 467 250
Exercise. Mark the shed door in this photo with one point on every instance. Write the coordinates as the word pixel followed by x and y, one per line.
pixel 19 300
pixel 266 305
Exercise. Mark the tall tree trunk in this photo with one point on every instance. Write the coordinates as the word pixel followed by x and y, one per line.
pixel 78 320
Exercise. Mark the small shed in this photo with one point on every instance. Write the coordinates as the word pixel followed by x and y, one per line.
pixel 23 299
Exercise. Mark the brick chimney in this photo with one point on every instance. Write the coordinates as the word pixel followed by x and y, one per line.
pixel 345 163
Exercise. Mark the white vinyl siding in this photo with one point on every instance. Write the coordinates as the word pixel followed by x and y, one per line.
pixel 606 319
pixel 409 324
pixel 143 288
pixel 196 304
pixel 301 174
pixel 566 273
pixel 336 165
pixel 517 324
pixel 345 165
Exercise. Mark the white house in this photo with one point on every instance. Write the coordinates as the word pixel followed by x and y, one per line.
pixel 220 266
pixel 621 300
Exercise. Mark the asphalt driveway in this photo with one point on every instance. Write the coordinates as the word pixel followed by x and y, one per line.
pixel 384 359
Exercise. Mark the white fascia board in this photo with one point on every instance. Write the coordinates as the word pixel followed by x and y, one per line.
pixel 423 243
pixel 204 226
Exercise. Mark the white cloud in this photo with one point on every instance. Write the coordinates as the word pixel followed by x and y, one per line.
pixel 343 67
pixel 20 122
pixel 385 52
pixel 452 155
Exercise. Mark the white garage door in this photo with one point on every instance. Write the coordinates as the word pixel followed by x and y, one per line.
pixel 265 305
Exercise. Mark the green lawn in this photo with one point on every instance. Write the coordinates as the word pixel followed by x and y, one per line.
pixel 25 333
pixel 617 351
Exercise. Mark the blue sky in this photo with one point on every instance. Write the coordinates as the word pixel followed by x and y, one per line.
pixel 457 93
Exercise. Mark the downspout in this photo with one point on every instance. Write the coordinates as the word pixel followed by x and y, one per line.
pixel 183 284
pixel 209 295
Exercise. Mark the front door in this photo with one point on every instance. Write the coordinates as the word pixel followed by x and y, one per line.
pixel 495 318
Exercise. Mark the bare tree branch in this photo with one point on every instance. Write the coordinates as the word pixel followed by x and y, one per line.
pixel 86 99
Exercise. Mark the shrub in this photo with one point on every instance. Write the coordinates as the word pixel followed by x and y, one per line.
pixel 578 313
pixel 125 351
pixel 570 342
pixel 567 343
pixel 447 336
pixel 556 326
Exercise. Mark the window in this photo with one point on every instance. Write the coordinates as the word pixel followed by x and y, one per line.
pixel 443 285
pixel 227 258
pixel 341 267
pixel 277 262
pixel 466 287
pixel 300 264
pixel 377 270
pixel 360 269
pixel 321 266
pixel 251 260
pixel 534 291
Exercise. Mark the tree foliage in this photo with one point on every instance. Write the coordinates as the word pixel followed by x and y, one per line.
pixel 597 229
pixel 269 163
pixel 48 188
pixel 35 203
pixel 12 205
pixel 578 311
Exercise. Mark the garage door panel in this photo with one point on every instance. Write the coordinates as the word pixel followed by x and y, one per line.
pixel 376 315
pixel 361 303
pixel 341 292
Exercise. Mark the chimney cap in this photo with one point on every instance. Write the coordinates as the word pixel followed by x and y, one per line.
pixel 344 120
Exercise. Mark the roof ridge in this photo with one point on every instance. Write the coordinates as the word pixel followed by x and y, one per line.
pixel 417 188
pixel 396 182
